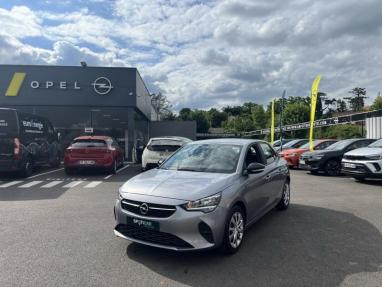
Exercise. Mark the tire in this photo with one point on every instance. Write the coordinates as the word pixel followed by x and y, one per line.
pixel 332 167
pixel 56 162
pixel 360 178
pixel 285 198
pixel 113 168
pixel 27 169
pixel 315 172
pixel 231 242
pixel 69 171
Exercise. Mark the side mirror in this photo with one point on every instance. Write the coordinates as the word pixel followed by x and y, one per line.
pixel 255 167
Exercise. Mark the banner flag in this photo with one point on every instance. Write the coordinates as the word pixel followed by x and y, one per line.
pixel 282 120
pixel 273 123
pixel 313 104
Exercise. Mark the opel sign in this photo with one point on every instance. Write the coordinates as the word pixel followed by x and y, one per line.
pixel 102 86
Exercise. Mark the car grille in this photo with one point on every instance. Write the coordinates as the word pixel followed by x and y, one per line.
pixel 355 157
pixel 154 210
pixel 150 236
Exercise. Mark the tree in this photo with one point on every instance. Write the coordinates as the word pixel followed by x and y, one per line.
pixel 377 104
pixel 259 117
pixel 341 106
pixel 357 100
pixel 202 123
pixel 233 111
pixel 296 113
pixel 216 118
pixel 344 132
pixel 170 116
pixel 185 114
pixel 161 104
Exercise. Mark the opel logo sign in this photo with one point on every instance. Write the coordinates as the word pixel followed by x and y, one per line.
pixel 102 86
pixel 144 208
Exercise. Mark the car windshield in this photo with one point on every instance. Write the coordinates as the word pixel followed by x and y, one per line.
pixel 316 142
pixel 340 145
pixel 376 144
pixel 88 143
pixel 218 158
pixel 164 145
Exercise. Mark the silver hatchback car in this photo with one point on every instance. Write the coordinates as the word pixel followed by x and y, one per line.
pixel 204 196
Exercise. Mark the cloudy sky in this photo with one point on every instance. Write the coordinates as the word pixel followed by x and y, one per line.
pixel 205 53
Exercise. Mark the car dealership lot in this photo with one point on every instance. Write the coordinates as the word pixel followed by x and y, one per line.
pixel 54 232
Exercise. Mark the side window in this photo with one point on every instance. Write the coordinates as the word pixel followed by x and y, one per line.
pixel 357 144
pixel 269 153
pixel 323 145
pixel 253 155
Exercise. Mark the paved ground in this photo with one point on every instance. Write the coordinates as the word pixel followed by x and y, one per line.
pixel 58 231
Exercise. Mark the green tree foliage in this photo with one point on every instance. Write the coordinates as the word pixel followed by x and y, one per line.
pixel 239 124
pixel 185 114
pixel 202 123
pixel 343 132
pixel 357 99
pixel 377 104
pixel 216 118
pixel 296 113
pixel 259 117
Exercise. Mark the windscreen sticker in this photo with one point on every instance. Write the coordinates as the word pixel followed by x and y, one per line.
pixel 3 123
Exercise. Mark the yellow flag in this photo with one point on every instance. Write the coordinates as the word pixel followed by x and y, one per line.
pixel 273 123
pixel 313 105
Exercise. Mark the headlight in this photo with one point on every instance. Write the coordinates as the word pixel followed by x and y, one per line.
pixel 374 157
pixel 318 156
pixel 120 197
pixel 206 204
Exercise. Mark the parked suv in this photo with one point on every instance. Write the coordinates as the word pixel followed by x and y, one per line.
pixel 26 141
pixel 364 162
pixel 329 159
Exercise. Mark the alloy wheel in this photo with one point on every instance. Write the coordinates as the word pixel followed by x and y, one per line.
pixel 332 168
pixel 286 194
pixel 236 229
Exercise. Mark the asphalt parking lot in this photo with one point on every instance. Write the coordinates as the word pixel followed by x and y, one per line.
pixel 57 230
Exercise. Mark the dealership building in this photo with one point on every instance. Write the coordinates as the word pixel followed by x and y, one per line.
pixel 88 100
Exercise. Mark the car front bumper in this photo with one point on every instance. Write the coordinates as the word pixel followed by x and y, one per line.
pixel 363 169
pixel 181 231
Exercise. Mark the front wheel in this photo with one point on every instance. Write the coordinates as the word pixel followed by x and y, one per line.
pixel 114 167
pixel 333 168
pixel 360 178
pixel 285 198
pixel 234 231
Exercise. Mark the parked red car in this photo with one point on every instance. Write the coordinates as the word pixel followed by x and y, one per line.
pixel 292 156
pixel 93 152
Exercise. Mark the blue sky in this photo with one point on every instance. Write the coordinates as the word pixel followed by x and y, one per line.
pixel 204 54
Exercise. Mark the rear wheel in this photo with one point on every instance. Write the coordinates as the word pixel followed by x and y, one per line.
pixel 27 169
pixel 234 231
pixel 69 171
pixel 333 168
pixel 113 168
pixel 56 162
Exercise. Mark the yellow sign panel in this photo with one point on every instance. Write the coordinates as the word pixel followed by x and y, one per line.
pixel 273 123
pixel 313 105
pixel 15 84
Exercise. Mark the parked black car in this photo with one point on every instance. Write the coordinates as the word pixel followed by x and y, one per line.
pixel 329 159
pixel 26 141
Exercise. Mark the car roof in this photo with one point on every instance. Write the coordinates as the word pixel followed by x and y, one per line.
pixel 92 138
pixel 237 141
pixel 172 138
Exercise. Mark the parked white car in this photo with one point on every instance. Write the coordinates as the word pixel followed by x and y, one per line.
pixel 364 162
pixel 161 148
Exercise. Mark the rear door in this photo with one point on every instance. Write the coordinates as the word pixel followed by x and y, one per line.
pixel 9 130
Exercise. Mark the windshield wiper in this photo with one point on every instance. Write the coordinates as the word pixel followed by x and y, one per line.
pixel 189 169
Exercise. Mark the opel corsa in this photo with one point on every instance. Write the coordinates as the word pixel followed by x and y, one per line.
pixel 204 196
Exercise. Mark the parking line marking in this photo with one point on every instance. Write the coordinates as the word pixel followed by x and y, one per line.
pixel 11 183
pixel 93 184
pixel 30 184
pixel 119 170
pixel 73 184
pixel 52 183
pixel 44 173
pixel 107 177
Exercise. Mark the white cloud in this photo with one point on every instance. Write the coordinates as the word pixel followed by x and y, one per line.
pixel 211 53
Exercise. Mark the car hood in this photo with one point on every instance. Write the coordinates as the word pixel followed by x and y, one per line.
pixel 183 185
pixel 323 152
pixel 365 151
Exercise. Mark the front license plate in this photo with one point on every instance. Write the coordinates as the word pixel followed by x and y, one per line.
pixel 349 165
pixel 302 161
pixel 87 162
pixel 143 223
